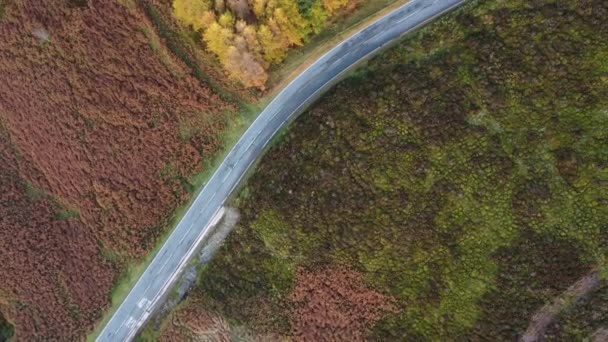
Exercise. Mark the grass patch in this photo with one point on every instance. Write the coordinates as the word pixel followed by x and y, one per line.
pixel 34 193
pixel 3 4
pixel 67 214
pixel 185 132
pixel 7 330
pixel 62 212
pixel 130 4
pixel 160 51
pixel 148 335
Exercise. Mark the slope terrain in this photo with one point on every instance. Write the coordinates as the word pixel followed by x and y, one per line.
pixel 101 128
pixel 446 191
pixel 110 115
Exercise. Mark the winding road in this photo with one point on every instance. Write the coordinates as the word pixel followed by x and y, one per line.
pixel 207 208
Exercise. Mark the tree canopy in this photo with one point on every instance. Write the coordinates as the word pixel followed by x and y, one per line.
pixel 248 36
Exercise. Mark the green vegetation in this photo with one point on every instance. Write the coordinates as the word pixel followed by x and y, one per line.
pixel 162 53
pixel 464 173
pixel 6 329
pixel 65 214
pixel 62 211
pixel 34 193
pixel 2 8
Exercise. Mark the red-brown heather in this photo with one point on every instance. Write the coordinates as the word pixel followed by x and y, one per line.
pixel 333 304
pixel 93 119
pixel 54 281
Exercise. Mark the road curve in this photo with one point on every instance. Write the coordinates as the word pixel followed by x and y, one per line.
pixel 207 208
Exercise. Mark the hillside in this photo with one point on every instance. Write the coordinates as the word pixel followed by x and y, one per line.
pixel 100 129
pixel 446 191
pixel 112 113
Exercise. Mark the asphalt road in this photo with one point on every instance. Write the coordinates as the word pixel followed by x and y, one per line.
pixel 208 205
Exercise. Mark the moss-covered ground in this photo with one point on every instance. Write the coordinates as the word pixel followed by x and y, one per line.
pixel 464 172
pixel 6 329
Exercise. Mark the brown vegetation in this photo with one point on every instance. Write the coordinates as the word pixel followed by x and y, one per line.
pixel 335 305
pixel 105 127
pixel 96 112
pixel 54 281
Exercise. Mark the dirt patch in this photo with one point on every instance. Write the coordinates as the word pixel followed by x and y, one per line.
pixel 193 323
pixel 546 315
pixel 335 305
pixel 601 335
pixel 536 269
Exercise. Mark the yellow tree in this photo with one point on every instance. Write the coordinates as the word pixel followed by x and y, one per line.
pixel 293 26
pixel 191 12
pixel 207 19
pixel 259 8
pixel 219 40
pixel 244 49
pixel 244 68
pixel 274 47
pixel 226 20
pixel 333 5
pixel 220 6
pixel 251 37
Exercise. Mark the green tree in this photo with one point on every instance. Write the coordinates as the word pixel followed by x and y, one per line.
pixel 318 16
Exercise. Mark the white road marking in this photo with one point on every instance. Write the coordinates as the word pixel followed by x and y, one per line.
pixel 226 176
pixel 130 322
pixel 143 303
